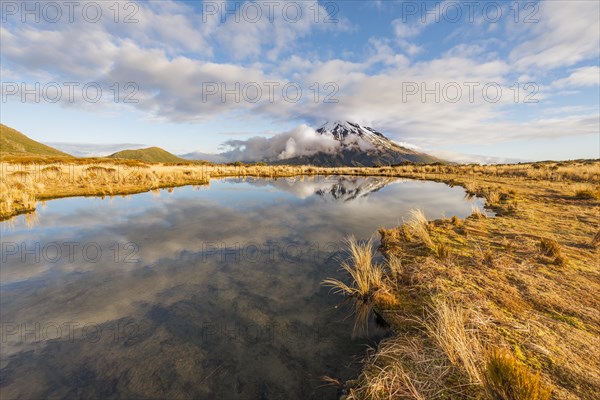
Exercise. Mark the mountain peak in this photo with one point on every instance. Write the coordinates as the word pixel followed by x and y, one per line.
pixel 358 145
pixel 340 129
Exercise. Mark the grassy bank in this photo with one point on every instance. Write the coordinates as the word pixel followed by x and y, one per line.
pixel 24 183
pixel 26 180
pixel 498 308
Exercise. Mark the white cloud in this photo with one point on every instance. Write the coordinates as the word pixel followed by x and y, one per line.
pixel 584 76
pixel 462 158
pixel 567 33
pixel 171 52
pixel 301 141
pixel 405 30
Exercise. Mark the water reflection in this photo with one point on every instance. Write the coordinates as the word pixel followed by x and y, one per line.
pixel 335 188
pixel 210 293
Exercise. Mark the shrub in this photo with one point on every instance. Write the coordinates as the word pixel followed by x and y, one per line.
pixel 506 379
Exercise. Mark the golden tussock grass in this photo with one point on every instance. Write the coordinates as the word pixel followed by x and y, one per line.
pixel 450 360
pixel 446 324
pixel 419 227
pixel 492 196
pixel 70 176
pixel 596 240
pixel 369 283
pixel 367 277
pixel 477 213
pixel 507 379
pixel 401 368
pixel 512 312
pixel 586 191
pixel 532 302
pixel 550 247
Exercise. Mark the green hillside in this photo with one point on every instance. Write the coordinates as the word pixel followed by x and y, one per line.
pixel 151 154
pixel 13 142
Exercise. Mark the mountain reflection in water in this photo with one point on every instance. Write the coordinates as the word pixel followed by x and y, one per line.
pixel 208 293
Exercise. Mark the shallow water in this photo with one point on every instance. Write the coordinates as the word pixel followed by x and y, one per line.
pixel 204 292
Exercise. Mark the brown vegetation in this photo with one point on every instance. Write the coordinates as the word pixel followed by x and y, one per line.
pixel 506 378
pixel 42 178
pixel 497 308
pixel 503 307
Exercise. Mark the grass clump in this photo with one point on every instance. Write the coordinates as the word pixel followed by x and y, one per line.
pixel 367 276
pixel 506 379
pixel 402 368
pixel 586 192
pixel 369 284
pixel 550 247
pixel 419 227
pixel 477 213
pixel 493 197
pixel 456 221
pixel 596 240
pixel 443 251
pixel 446 324
pixel 587 195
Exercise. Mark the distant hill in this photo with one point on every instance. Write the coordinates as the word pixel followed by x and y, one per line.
pixel 150 154
pixel 13 142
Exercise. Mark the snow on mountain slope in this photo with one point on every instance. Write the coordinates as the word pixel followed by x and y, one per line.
pixel 366 138
pixel 339 143
pixel 359 146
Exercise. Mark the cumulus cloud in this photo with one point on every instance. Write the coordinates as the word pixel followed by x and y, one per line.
pixel 171 65
pixel 301 141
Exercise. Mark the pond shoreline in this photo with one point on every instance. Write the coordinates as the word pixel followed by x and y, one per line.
pixel 24 187
pixel 499 304
pixel 544 240
pixel 269 278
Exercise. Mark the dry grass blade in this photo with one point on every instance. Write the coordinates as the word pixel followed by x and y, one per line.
pixel 506 379
pixel 366 276
pixel 596 240
pixel 446 325
pixel 419 227
pixel 403 368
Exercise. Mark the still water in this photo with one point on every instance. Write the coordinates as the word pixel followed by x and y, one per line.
pixel 199 292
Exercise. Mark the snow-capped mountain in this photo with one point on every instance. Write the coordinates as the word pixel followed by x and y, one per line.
pixel 339 143
pixel 352 188
pixel 330 188
pixel 359 146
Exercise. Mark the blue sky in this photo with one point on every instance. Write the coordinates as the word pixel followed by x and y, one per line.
pixel 374 58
